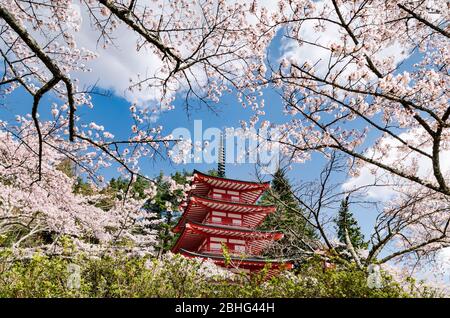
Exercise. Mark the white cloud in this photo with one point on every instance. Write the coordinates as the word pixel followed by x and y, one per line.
pixel 118 63
pixel 369 175
pixel 444 258
pixel 365 178
pixel 315 50
pixel 312 54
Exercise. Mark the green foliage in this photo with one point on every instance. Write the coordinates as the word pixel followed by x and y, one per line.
pixel 226 254
pixel 119 186
pixel 116 189
pixel 345 281
pixel 213 172
pixel 289 215
pixel 82 187
pixel 121 276
pixel 67 167
pixel 39 276
pixel 345 219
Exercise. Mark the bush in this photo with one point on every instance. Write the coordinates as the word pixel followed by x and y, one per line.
pixel 175 276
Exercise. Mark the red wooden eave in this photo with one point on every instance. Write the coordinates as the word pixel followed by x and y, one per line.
pixel 198 207
pixel 251 191
pixel 194 234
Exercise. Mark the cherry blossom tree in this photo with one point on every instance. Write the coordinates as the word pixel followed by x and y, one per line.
pixel 32 209
pixel 340 77
pixel 354 85
pixel 369 79
pixel 411 227
pixel 202 48
pixel 196 44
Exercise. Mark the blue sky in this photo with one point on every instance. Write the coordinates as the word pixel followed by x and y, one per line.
pixel 112 111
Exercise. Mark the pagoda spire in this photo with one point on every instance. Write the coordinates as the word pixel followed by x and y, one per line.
pixel 221 157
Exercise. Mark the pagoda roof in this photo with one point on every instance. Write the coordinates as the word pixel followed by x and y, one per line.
pixel 198 207
pixel 251 191
pixel 194 233
pixel 253 262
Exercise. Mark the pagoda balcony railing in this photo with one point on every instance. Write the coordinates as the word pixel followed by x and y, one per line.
pixel 224 222
pixel 228 198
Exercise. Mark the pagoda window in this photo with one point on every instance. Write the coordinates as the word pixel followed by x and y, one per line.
pixel 236 222
pixel 215 246
pixel 223 218
pixel 216 193
pixel 216 219
pixel 217 213
pixel 217 239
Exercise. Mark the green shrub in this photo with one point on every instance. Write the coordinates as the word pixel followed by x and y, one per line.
pixel 175 276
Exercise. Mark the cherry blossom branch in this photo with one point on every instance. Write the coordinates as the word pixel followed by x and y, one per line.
pixel 124 15
pixel 370 63
pixel 339 146
pixel 424 21
pixel 414 247
pixel 48 62
pixel 37 97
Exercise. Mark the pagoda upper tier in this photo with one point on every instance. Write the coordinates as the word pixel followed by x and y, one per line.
pixel 219 211
pixel 229 189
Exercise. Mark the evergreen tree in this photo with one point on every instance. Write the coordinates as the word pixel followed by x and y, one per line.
pixel 68 167
pixel 82 187
pixel 346 220
pixel 116 189
pixel 289 218
pixel 213 172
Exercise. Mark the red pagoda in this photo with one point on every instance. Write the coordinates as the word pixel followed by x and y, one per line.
pixel 221 211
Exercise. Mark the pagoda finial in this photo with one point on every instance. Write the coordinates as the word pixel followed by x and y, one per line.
pixel 221 157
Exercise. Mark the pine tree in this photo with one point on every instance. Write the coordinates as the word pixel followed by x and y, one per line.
pixel 213 172
pixel 346 220
pixel 289 218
